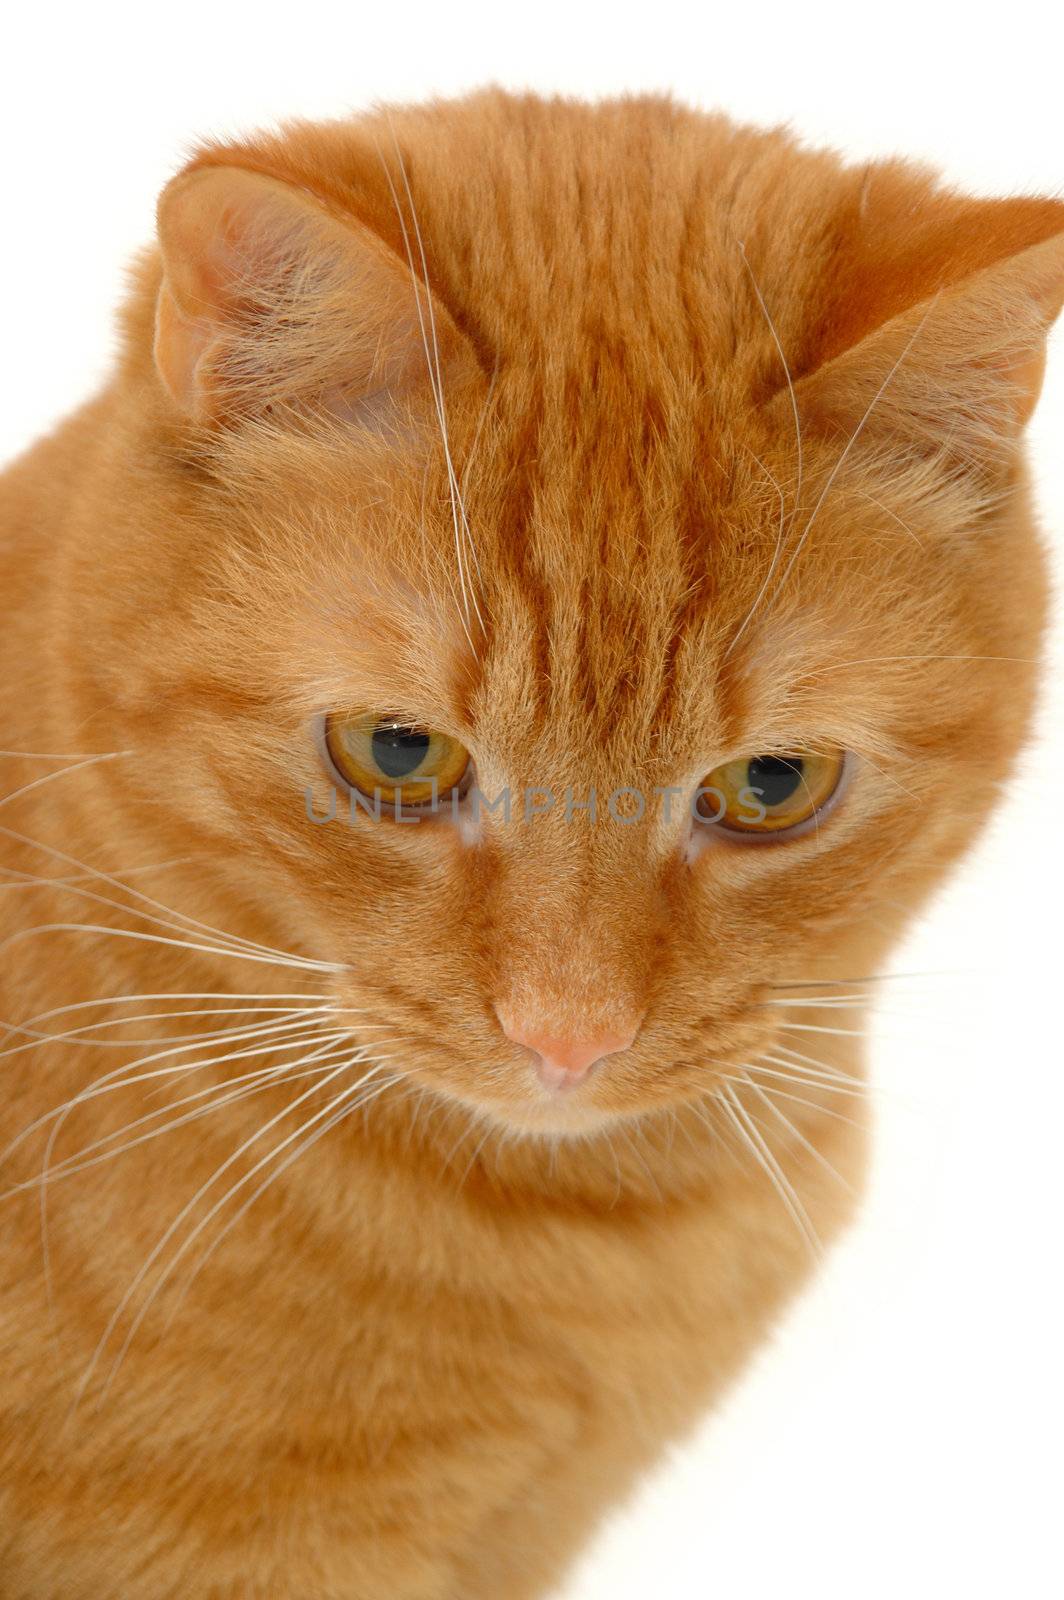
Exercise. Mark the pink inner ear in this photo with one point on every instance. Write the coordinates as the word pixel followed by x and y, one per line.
pixel 379 412
pixel 1024 380
pixel 270 298
pixel 180 343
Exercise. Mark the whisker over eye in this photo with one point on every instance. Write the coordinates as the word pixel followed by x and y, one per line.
pixel 390 758
pixel 771 796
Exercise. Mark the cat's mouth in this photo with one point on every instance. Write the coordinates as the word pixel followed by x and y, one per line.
pixel 771 1045
pixel 576 1090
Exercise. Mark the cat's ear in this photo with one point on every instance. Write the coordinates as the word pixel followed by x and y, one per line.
pixel 270 297
pixel 936 339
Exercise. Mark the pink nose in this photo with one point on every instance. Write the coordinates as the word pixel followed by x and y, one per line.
pixel 562 1062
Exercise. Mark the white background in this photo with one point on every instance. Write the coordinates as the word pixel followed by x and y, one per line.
pixel 902 1434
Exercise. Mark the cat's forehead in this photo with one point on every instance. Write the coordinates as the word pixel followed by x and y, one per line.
pixel 629 602
pixel 609 245
pixel 592 583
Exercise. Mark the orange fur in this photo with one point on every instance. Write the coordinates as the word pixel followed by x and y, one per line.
pixel 455 1330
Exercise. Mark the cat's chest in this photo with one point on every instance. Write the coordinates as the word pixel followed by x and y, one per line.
pixel 572 1322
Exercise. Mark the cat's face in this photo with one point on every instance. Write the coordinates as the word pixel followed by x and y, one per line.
pixel 625 582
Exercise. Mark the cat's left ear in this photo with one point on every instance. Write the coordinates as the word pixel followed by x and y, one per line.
pixel 271 296
pixel 937 340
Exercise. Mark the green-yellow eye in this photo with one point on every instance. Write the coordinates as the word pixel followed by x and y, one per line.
pixel 764 795
pixel 404 764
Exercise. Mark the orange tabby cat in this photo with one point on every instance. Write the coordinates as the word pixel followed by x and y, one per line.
pixel 546 593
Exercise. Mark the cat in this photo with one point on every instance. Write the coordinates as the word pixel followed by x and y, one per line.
pixel 547 592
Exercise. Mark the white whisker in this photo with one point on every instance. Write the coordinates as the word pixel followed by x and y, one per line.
pixel 40 755
pixel 28 880
pixel 798 447
pixel 770 1166
pixel 800 1100
pixel 226 1093
pixel 436 359
pixel 802 1080
pixel 795 1132
pixel 157 905
pixel 781 532
pixel 35 1037
pixel 855 435
pixel 50 777
pixel 828 1069
pixel 161 1244
pixel 175 1260
pixel 815 1027
pixel 274 1031
pixel 348 1108
pixel 836 1002
pixel 180 944
pixel 432 360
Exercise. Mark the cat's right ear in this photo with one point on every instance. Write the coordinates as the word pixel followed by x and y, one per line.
pixel 270 297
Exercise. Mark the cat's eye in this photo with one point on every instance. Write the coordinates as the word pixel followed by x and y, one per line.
pixel 399 761
pixel 769 796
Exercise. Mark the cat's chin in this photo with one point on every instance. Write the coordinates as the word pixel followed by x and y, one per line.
pixel 569 1114
pixel 541 1114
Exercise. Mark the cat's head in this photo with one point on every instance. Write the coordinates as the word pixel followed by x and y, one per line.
pixel 577 460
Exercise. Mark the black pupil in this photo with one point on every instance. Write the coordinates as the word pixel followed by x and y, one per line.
pixel 775 778
pixel 398 751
